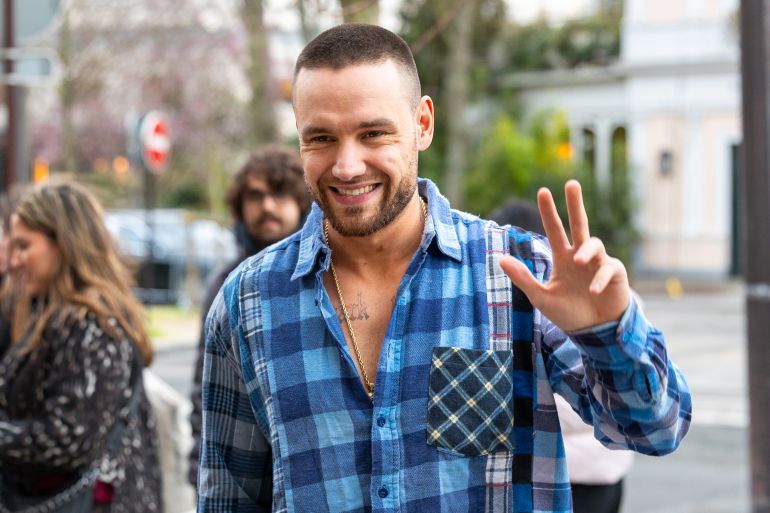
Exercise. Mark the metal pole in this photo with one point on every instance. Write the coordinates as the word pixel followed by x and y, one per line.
pixel 11 135
pixel 755 54
pixel 21 154
pixel 150 264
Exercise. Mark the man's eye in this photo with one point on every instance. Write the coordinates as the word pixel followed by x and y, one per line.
pixel 254 195
pixel 320 139
pixel 373 133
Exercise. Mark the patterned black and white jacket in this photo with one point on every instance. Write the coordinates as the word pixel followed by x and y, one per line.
pixel 57 406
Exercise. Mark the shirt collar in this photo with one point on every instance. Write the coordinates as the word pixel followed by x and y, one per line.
pixel 439 226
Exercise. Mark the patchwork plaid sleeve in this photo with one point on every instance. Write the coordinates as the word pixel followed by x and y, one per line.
pixel 617 376
pixel 235 460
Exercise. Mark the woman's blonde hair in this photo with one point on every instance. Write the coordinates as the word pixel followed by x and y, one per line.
pixel 91 276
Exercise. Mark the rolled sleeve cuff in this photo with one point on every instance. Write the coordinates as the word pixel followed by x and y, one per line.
pixel 616 341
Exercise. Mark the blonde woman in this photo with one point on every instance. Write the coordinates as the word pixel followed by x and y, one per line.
pixel 74 419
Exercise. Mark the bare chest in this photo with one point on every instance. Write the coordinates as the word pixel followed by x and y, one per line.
pixel 364 315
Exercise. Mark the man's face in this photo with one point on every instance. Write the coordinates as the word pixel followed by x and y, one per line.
pixel 359 139
pixel 268 217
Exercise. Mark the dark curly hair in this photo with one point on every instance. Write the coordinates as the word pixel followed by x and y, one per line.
pixel 519 212
pixel 280 167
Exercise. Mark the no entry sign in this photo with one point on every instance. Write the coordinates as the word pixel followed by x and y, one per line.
pixel 154 141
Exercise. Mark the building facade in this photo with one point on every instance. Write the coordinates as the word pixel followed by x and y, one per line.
pixel 673 100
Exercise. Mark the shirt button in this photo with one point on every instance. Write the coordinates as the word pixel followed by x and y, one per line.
pixel 381 423
pixel 382 492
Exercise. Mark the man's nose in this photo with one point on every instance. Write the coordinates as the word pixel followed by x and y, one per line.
pixel 269 203
pixel 349 163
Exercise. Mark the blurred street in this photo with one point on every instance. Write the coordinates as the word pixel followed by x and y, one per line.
pixel 709 473
pixel 705 333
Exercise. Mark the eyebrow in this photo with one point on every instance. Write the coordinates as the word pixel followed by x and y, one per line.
pixel 374 123
pixel 312 130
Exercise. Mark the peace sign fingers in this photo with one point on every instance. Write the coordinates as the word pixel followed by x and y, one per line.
pixel 586 287
pixel 554 229
pixel 578 220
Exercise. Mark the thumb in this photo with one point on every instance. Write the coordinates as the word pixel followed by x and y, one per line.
pixel 522 277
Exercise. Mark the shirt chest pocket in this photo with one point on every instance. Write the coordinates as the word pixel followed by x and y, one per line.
pixel 470 401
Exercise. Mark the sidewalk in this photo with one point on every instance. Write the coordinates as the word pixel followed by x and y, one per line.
pixel 689 285
pixel 171 327
pixel 705 336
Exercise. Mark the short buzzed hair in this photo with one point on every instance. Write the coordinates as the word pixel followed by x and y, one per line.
pixel 358 43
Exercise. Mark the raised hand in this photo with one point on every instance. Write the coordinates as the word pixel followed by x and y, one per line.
pixel 587 286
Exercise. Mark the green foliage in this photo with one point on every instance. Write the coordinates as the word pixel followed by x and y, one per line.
pixel 611 206
pixel 184 183
pixel 421 17
pixel 512 159
pixel 540 46
pixel 502 167
pixel 432 161
pixel 532 47
pixel 499 48
pixel 188 193
pixel 510 162
pixel 112 192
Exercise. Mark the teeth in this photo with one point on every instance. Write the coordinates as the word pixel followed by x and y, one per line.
pixel 356 192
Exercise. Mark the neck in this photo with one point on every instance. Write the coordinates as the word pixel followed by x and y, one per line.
pixel 247 243
pixel 391 246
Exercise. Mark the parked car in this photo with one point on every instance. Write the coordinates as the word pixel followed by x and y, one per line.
pixel 173 249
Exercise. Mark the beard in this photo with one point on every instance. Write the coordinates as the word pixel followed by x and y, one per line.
pixel 258 233
pixel 350 222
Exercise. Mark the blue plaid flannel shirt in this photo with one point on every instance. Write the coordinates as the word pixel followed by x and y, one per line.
pixel 463 418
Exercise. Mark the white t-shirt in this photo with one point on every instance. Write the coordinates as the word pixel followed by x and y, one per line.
pixel 589 462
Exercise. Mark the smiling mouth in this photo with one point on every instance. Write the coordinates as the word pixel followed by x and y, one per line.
pixel 354 192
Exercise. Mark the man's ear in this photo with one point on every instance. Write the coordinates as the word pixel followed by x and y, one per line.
pixel 425 119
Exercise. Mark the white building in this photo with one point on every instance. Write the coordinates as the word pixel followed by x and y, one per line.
pixel 675 95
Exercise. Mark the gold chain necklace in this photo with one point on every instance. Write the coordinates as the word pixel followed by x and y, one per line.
pixel 367 382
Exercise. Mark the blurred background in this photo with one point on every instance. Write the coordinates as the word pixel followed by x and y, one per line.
pixel 639 99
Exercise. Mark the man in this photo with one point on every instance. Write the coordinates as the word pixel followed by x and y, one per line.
pixel 380 360
pixel 268 199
